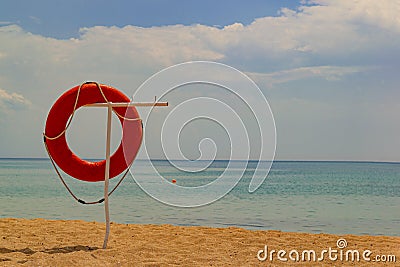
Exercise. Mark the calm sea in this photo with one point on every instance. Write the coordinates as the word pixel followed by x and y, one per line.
pixel 329 197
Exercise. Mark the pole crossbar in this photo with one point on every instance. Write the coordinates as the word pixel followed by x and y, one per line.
pixel 129 104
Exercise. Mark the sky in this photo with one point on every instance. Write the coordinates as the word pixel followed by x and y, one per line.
pixel 329 69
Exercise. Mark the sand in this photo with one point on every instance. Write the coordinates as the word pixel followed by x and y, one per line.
pixel 42 242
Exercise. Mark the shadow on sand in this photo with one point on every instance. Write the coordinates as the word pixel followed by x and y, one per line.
pixel 69 249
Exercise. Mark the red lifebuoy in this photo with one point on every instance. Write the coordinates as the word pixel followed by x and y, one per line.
pixel 57 120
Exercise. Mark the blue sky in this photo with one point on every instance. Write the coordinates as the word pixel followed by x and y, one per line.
pixel 328 68
pixel 63 19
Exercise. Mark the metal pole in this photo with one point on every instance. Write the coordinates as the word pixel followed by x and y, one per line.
pixel 107 175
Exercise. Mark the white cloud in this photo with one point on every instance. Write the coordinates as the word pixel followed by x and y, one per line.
pixel 383 14
pixel 333 33
pixel 329 73
pixel 12 100
pixel 158 45
pixel 36 20
pixel 337 33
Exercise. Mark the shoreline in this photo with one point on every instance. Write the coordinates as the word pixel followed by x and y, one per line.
pixel 221 160
pixel 33 242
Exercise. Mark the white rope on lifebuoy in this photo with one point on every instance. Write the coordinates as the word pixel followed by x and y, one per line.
pixel 74 109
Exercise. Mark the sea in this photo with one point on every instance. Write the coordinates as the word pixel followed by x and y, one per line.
pixel 360 198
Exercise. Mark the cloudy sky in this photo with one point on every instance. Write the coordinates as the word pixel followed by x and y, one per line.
pixel 329 69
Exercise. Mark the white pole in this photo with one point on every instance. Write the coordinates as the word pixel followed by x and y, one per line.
pixel 110 106
pixel 107 175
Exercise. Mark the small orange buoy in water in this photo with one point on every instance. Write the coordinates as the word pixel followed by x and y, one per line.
pixel 173 181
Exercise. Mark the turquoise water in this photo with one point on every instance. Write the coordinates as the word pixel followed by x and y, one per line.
pixel 329 197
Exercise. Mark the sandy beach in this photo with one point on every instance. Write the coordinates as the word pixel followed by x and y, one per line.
pixel 42 242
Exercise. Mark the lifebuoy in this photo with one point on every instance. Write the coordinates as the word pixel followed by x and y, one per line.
pixel 57 121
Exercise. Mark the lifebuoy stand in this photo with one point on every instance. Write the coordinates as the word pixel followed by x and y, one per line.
pixel 97 101
pixel 110 107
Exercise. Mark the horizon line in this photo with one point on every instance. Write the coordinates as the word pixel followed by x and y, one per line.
pixel 250 160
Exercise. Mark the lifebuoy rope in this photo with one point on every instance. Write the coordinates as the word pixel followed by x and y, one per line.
pixel 63 132
pixel 76 103
pixel 69 189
